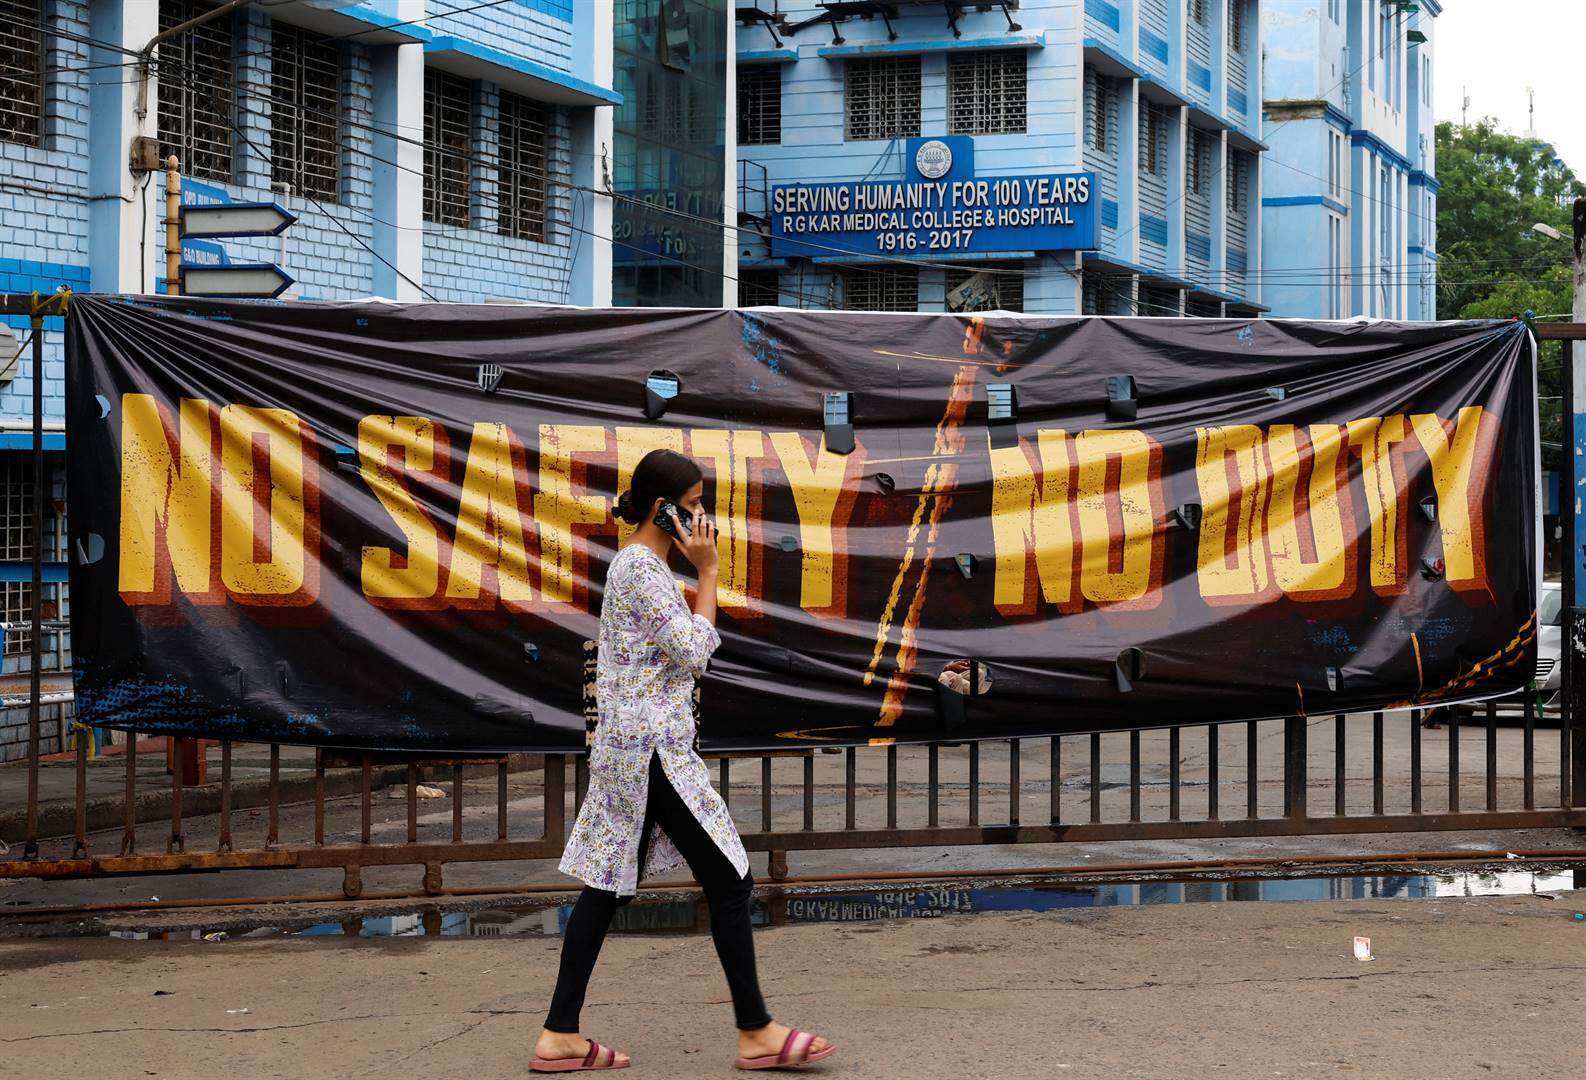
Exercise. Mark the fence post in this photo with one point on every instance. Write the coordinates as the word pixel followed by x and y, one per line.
pixel 1573 700
pixel 1294 767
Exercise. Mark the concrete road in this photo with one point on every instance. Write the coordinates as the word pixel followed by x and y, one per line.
pixel 1459 988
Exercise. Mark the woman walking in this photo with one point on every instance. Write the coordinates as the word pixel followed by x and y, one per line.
pixel 650 805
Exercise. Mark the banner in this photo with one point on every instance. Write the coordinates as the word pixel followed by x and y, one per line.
pixel 378 525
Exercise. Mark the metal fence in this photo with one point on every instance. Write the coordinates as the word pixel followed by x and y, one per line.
pixel 1254 778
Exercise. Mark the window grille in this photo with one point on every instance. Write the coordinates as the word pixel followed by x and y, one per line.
pixel 196 95
pixel 1197 10
pixel 21 71
pixel 1004 286
pixel 1100 105
pixel 986 93
pixel 759 104
pixel 305 112
pixel 1238 184
pixel 1236 26
pixel 1153 141
pixel 521 183
pixel 448 161
pixel 882 99
pixel 759 288
pixel 881 288
pixel 1197 161
pixel 16 545
pixel 1158 300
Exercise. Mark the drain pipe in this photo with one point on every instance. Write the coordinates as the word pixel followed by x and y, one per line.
pixel 146 54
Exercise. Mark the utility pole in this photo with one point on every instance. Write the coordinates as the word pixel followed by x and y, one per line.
pixel 1575 642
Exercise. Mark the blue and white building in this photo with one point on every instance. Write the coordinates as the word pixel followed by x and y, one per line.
pixel 1153 104
pixel 454 150
pixel 1350 201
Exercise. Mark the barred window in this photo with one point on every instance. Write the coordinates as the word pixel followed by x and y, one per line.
pixel 1197 11
pixel 448 136
pixel 882 99
pixel 986 93
pixel 992 287
pixel 1236 26
pixel 759 104
pixel 305 112
pixel 1160 300
pixel 1198 154
pixel 21 71
pixel 881 288
pixel 1238 183
pixel 196 92
pixel 521 185
pixel 1153 138
pixel 1100 111
pixel 16 545
pixel 759 288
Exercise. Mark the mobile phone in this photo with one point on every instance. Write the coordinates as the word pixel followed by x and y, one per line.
pixel 663 518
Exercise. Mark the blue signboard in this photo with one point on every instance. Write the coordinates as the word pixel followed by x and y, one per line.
pixel 940 207
pixel 204 252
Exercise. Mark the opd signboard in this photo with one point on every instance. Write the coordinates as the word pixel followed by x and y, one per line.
pixel 940 207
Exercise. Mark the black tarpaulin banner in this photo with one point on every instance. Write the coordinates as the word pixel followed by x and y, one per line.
pixel 371 525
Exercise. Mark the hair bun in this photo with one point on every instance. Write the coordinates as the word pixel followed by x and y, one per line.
pixel 624 508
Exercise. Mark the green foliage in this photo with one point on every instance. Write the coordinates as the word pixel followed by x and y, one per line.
pixel 1492 264
pixel 1495 186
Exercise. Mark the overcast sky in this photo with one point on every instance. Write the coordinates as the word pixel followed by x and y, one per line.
pixel 1493 49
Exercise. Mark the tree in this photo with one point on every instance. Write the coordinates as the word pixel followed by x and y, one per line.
pixel 1495 186
pixel 1491 263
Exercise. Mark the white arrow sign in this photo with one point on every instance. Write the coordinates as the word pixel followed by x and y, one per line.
pixel 236 219
pixel 237 279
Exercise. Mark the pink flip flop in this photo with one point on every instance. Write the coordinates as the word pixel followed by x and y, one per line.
pixel 795 1052
pixel 599 1057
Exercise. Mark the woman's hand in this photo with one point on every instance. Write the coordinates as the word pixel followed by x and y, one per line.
pixel 698 547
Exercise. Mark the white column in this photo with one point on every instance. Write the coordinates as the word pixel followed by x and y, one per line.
pixel 398 86
pixel 729 197
pixel 592 165
pixel 126 247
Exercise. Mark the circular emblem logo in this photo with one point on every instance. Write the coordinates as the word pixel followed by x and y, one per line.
pixel 933 159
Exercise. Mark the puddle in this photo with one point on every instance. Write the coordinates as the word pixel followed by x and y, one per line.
pixel 779 907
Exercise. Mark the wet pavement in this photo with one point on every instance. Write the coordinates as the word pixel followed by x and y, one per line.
pixel 785 906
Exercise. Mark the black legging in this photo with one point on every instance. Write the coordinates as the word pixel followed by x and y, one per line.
pixel 727 894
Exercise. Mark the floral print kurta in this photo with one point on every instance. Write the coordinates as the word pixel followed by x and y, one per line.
pixel 651 650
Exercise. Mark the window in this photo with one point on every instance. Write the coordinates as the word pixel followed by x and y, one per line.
pixel 759 288
pixel 1236 26
pixel 16 545
pixel 21 71
pixel 991 287
pixel 1159 300
pixel 759 104
pixel 196 97
pixel 1196 166
pixel 523 164
pixel 1332 10
pixel 305 112
pixel 1426 80
pixel 1197 11
pixel 1100 111
pixel 882 99
pixel 881 288
pixel 448 118
pixel 1153 139
pixel 986 93
pixel 1238 184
